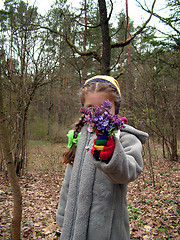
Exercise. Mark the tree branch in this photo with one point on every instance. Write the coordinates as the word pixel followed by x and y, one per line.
pixel 93 53
pixel 125 43
pixel 98 25
pixel 167 21
pixel 110 11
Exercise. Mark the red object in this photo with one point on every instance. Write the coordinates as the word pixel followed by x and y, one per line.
pixel 107 151
pixel 124 119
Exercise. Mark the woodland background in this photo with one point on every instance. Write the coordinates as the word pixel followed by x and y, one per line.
pixel 45 59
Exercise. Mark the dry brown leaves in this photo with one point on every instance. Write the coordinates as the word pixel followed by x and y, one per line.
pixel 154 211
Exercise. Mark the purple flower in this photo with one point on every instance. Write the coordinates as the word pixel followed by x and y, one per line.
pixel 102 120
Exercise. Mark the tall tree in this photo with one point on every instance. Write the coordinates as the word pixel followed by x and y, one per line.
pixel 107 45
pixel 163 59
pixel 27 73
pixel 129 85
pixel 106 49
pixel 6 147
pixel 157 87
pixel 85 40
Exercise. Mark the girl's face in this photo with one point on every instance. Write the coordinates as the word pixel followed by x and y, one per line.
pixel 97 99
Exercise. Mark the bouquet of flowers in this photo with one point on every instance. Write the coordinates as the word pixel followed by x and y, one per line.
pixel 101 120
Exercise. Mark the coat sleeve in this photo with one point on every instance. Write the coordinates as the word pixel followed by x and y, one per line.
pixel 126 163
pixel 63 196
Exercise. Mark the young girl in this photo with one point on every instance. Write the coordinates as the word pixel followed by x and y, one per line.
pixel 92 203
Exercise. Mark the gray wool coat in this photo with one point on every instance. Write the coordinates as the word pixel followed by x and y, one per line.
pixel 92 204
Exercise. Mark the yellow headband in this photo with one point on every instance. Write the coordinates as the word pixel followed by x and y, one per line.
pixel 104 78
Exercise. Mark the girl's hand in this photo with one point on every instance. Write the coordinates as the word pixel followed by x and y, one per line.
pixel 103 147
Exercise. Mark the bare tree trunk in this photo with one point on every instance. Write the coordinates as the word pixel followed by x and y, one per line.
pixel 50 109
pixel 10 78
pixel 174 147
pixel 20 146
pixel 106 50
pixel 84 44
pixel 17 208
pixel 163 147
pixel 151 165
pixel 59 102
pixel 129 86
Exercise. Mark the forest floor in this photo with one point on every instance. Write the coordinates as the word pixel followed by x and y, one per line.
pixel 154 210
